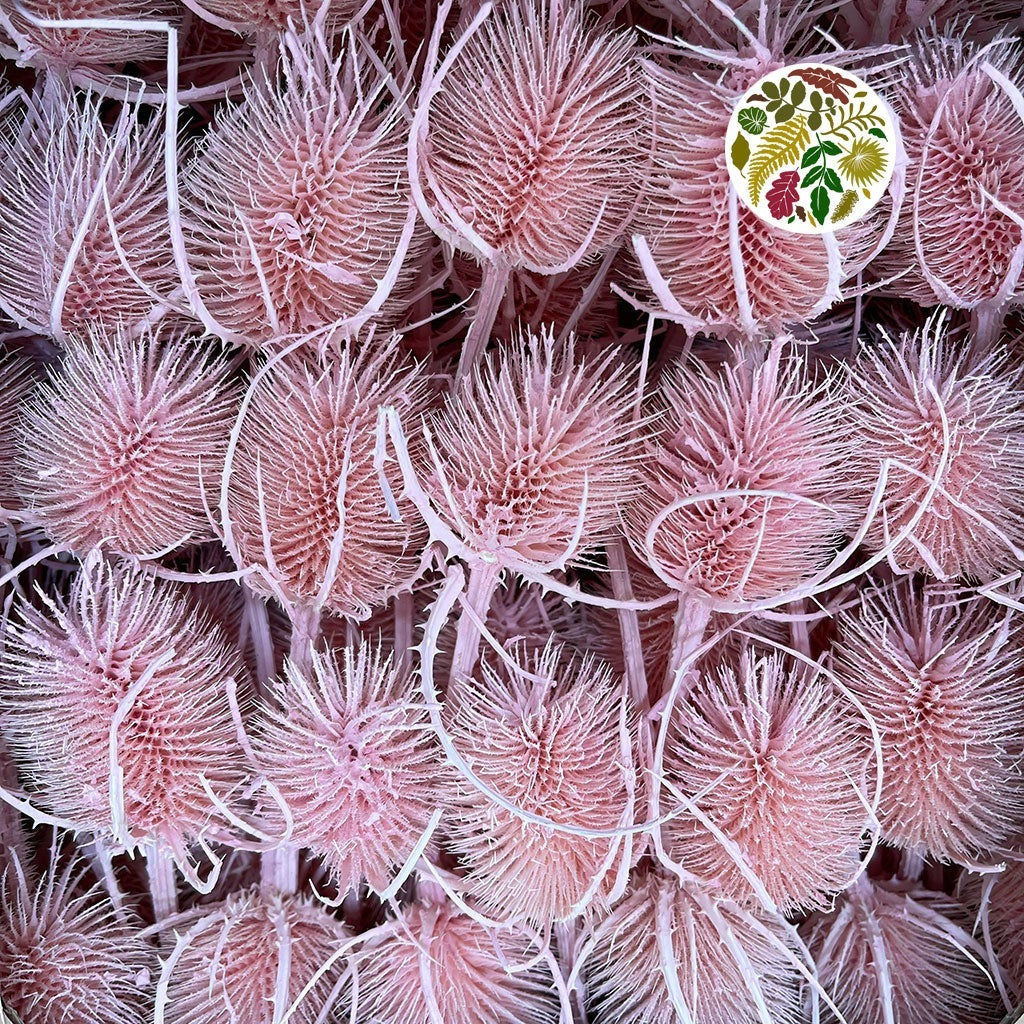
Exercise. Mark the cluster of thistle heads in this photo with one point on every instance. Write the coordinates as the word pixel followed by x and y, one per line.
pixel 460 566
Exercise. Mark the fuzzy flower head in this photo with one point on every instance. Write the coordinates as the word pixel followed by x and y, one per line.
pixel 271 17
pixel 112 447
pixel 951 423
pixel 551 735
pixel 83 215
pixel 250 958
pixel 886 953
pixel 304 484
pixel 770 756
pixel 297 204
pixel 434 963
pixel 534 150
pixel 351 753
pixel 115 708
pixel 940 674
pixel 768 445
pixel 532 456
pixel 65 957
pixel 667 943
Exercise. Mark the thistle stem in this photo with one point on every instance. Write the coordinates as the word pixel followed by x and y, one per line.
pixel 689 628
pixel 629 626
pixel 163 884
pixel 492 291
pixel 483 581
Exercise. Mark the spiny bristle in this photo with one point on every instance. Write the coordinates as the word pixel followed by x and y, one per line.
pixel 273 16
pixel 15 387
pixel 1002 909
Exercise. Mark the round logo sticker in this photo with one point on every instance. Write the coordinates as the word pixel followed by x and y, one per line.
pixel 810 148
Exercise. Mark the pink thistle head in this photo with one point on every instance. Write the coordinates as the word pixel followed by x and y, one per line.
pixel 271 17
pixel 112 447
pixel 768 753
pixel 888 953
pixel 296 206
pixel 535 146
pixel 123 674
pixel 876 22
pixel 306 457
pixel 757 426
pixel 964 137
pixel 720 960
pixel 940 674
pixel 16 382
pixel 55 278
pixel 249 958
pixel 351 752
pixel 951 423
pixel 551 735
pixel 535 440
pixel 65 958
pixel 434 963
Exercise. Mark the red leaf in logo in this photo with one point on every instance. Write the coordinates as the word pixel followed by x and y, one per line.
pixel 829 82
pixel 783 194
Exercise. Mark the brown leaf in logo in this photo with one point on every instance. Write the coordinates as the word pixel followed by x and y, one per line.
pixel 783 194
pixel 829 82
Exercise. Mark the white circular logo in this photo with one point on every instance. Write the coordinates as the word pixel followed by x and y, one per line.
pixel 810 148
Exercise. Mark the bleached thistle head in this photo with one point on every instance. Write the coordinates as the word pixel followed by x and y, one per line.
pixel 274 17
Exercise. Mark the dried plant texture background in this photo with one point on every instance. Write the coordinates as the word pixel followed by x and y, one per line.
pixel 460 565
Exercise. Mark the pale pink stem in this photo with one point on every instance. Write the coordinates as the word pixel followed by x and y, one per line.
pixel 492 291
pixel 799 631
pixel 629 626
pixel 483 581
pixel 163 884
pixel 691 622
pixel 404 615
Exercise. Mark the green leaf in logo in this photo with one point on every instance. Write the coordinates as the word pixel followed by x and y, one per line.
pixel 832 180
pixel 811 156
pixel 877 132
pixel 820 203
pixel 740 152
pixel 752 120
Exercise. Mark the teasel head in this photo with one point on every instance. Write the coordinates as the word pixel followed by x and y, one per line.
pixel 297 211
pixel 304 496
pixel 269 19
pixel 113 446
pixel 251 957
pixel 670 952
pixel 863 23
pixel 66 957
pixel 944 421
pixel 939 672
pixel 84 238
pixel 550 733
pixel 116 713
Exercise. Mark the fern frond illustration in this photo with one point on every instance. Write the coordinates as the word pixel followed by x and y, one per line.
pixel 848 122
pixel 779 147
pixel 845 206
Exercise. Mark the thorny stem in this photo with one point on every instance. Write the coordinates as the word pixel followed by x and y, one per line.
pixel 691 622
pixel 163 884
pixel 629 626
pixel 483 581
pixel 492 290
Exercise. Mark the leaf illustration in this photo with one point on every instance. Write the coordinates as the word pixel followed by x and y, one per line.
pixel 865 163
pixel 811 156
pixel 783 194
pixel 820 203
pixel 752 120
pixel 851 122
pixel 801 213
pixel 829 82
pixel 740 152
pixel 877 132
pixel 832 181
pixel 786 111
pixel 831 148
pixel 847 201
pixel 779 146
pixel 812 176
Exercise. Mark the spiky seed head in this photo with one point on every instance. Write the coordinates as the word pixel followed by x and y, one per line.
pixel 129 648
pixel 888 949
pixel 351 752
pixel 53 166
pixel 965 144
pixel 536 439
pixel 545 733
pixel 112 447
pixel 665 934
pixel 65 958
pixel 939 672
pixel 1003 906
pixel 863 23
pixel 949 421
pixel 270 17
pixel 296 204
pixel 769 753
pixel 15 387
pixel 756 426
pixel 434 963
pixel 231 968
pixel 537 134
pixel 305 455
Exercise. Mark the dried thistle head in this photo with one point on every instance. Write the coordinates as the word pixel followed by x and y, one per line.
pixel 122 675
pixel 549 733
pixel 536 440
pixel 270 17
pixel 250 957
pixel 65 957
pixel 754 427
pixel 940 674
pixel 83 215
pixel 111 448
pixel 351 753
pixel 891 953
pixel 16 380
pixel 951 423
pixel 433 963
pixel 876 22
pixel 535 147
pixel 297 202
pixel 305 459
pixel 719 959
